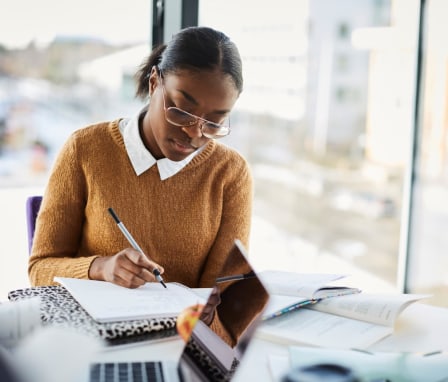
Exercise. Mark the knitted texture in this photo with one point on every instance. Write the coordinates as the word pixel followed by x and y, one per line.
pixel 186 223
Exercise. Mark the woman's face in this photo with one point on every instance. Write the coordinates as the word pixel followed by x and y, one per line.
pixel 206 94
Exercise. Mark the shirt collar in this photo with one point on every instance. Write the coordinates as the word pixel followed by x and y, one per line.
pixel 140 157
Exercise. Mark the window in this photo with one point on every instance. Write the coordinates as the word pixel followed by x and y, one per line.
pixel 428 242
pixel 67 68
pixel 330 160
pixel 326 120
pixel 343 31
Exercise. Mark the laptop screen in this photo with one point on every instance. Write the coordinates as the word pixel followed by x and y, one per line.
pixel 215 349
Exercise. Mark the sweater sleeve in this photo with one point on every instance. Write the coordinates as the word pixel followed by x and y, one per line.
pixel 235 224
pixel 60 220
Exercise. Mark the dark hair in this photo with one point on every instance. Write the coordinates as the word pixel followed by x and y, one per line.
pixel 193 48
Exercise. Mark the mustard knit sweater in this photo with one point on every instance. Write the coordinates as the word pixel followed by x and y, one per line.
pixel 186 223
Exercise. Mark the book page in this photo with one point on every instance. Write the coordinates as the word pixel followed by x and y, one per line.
pixel 296 284
pixel 310 327
pixel 107 302
pixel 378 309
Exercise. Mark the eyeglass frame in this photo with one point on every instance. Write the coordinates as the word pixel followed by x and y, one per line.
pixel 197 120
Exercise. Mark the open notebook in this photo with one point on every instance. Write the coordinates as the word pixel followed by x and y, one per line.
pixel 213 353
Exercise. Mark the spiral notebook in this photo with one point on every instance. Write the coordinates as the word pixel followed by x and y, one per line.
pixel 107 302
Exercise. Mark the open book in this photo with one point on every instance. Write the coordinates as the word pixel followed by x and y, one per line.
pixel 290 290
pixel 354 321
pixel 107 302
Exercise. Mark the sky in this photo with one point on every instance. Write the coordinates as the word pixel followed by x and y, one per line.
pixel 116 21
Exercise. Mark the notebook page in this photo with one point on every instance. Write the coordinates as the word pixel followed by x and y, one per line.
pixel 107 302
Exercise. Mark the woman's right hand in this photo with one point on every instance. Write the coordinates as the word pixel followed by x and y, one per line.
pixel 128 268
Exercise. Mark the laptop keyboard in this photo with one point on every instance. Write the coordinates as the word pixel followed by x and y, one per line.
pixel 126 372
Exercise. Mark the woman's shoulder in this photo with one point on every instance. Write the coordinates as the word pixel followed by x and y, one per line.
pixel 222 152
pixel 224 159
pixel 96 130
pixel 94 135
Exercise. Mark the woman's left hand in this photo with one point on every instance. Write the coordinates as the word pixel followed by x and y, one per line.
pixel 208 312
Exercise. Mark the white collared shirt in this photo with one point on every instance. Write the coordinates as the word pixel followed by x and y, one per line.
pixel 140 156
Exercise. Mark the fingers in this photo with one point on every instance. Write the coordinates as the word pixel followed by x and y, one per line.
pixel 142 260
pixel 127 282
pixel 208 312
pixel 207 315
pixel 130 268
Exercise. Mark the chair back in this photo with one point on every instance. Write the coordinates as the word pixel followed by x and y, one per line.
pixel 32 209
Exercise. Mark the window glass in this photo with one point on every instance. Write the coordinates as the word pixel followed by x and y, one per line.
pixel 325 120
pixel 63 65
pixel 428 271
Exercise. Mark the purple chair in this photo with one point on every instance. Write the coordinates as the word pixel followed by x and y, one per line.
pixel 32 209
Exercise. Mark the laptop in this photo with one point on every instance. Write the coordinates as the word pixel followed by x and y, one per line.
pixel 214 351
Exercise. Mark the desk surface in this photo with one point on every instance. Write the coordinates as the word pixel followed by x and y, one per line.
pixel 419 328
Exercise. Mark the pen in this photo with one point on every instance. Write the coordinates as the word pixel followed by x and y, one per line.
pixel 244 276
pixel 134 244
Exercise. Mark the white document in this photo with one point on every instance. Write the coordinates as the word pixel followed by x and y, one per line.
pixel 354 321
pixel 308 327
pixel 107 302
pixel 279 365
pixel 377 309
pixel 290 290
pixel 309 285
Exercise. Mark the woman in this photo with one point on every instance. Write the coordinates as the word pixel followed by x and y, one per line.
pixel 183 196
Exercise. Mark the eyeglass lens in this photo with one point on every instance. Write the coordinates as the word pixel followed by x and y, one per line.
pixel 209 129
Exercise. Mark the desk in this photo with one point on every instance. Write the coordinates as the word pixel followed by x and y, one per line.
pixel 419 328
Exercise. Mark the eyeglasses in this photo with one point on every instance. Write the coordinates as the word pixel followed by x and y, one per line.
pixel 182 118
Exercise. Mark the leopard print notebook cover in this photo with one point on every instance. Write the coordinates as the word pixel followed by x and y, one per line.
pixel 58 307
